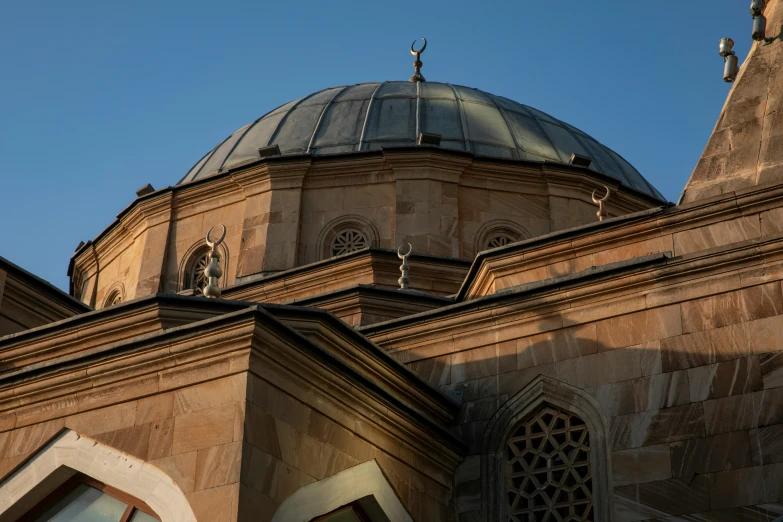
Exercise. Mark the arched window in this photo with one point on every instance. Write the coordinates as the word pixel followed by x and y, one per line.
pixel 192 265
pixel 501 238
pixel 82 499
pixel 115 297
pixel 347 241
pixel 498 233
pixel 548 473
pixel 345 235
pixel 194 274
pixel 545 457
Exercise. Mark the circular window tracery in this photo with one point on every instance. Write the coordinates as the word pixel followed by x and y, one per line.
pixel 197 280
pixel 548 473
pixel 347 241
pixel 500 239
pixel 498 233
pixel 346 234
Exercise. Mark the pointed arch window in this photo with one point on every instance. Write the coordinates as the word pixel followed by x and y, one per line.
pixel 548 472
pixel 82 499
pixel 545 457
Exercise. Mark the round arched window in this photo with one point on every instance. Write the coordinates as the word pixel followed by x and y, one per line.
pixel 346 234
pixel 502 238
pixel 347 241
pixel 114 298
pixel 196 279
pixel 498 233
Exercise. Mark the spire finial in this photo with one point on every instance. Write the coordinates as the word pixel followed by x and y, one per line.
pixel 417 76
pixel 213 270
pixel 404 280
pixel 602 213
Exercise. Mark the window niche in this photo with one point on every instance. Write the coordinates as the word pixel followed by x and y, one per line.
pixel 195 260
pixel 345 235
pixel 545 457
pixel 498 233
pixel 115 295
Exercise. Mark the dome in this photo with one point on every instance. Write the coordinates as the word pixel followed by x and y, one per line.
pixel 370 116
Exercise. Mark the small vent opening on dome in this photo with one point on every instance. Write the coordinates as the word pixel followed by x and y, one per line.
pixel 267 152
pixel 429 139
pixel 580 161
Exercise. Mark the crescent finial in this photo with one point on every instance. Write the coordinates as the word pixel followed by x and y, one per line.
pixel 417 53
pixel 401 255
pixel 213 244
pixel 603 199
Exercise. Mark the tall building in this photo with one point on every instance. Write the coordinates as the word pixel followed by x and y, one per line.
pixel 530 362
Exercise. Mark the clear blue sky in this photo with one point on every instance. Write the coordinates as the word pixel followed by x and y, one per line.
pixel 99 98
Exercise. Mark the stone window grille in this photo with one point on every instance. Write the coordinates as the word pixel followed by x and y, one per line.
pixel 500 239
pixel 346 234
pixel 548 471
pixel 498 233
pixel 194 278
pixel 348 240
pixel 545 457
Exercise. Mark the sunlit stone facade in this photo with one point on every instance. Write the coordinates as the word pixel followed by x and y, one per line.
pixel 543 365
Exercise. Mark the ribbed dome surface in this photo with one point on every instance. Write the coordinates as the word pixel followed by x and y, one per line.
pixel 369 116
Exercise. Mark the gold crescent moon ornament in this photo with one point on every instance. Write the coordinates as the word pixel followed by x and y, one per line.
pixel 603 199
pixel 417 65
pixel 401 255
pixel 417 53
pixel 213 244
pixel 602 212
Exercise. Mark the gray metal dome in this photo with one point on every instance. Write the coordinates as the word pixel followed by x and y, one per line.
pixel 369 116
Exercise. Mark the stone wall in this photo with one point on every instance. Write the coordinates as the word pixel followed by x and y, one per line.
pixel 681 353
pixel 279 215
pixel 239 410
pixel 746 146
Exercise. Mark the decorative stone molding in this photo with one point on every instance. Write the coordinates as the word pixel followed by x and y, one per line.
pixel 364 484
pixel 114 295
pixel 190 260
pixel 68 453
pixel 541 392
pixel 498 233
pixel 360 229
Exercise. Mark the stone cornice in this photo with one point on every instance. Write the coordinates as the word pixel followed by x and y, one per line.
pixel 254 176
pixel 41 288
pixel 365 357
pixel 526 303
pixel 358 374
pixel 30 348
pixel 370 266
pixel 368 301
pixel 612 233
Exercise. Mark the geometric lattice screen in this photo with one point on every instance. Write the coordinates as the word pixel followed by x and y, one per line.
pixel 197 278
pixel 501 239
pixel 347 241
pixel 548 474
